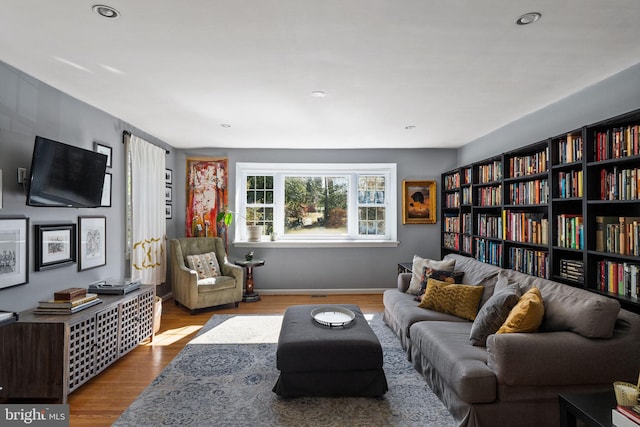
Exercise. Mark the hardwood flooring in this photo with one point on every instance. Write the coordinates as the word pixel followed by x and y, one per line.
pixel 101 401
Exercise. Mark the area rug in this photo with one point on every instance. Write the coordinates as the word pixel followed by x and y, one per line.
pixel 224 377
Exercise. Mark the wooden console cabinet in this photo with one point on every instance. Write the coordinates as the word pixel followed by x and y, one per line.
pixel 46 357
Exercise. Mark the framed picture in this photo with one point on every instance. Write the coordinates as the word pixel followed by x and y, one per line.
pixel 167 212
pixel 167 194
pixel 103 149
pixel 419 202
pixel 14 246
pixel 168 176
pixel 92 242
pixel 106 191
pixel 55 246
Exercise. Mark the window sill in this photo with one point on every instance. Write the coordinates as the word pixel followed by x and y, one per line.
pixel 318 244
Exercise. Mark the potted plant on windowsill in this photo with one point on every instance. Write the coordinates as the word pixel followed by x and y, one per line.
pixel 254 232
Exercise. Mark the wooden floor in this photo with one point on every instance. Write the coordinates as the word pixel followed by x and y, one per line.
pixel 101 401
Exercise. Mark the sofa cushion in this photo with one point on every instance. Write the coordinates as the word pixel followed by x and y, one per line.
pixel 568 308
pixel 493 314
pixel 418 267
pixel 459 300
pixel 476 273
pixel 445 347
pixel 527 314
pixel 206 265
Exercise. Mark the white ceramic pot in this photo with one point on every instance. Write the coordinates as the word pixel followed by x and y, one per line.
pixel 254 233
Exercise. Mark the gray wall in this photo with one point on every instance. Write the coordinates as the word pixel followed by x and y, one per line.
pixel 29 107
pixel 616 95
pixel 333 268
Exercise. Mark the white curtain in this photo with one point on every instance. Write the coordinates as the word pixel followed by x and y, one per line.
pixel 147 211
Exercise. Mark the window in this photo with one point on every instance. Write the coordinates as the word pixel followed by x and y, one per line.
pixel 317 202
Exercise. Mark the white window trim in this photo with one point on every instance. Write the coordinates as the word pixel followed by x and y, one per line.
pixel 243 169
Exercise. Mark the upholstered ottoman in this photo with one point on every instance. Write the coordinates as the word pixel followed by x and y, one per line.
pixel 317 360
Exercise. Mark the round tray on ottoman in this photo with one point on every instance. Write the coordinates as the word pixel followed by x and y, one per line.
pixel 333 316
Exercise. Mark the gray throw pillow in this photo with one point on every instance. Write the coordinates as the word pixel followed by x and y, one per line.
pixel 493 314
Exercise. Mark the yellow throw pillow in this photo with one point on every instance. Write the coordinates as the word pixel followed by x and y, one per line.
pixel 527 314
pixel 459 300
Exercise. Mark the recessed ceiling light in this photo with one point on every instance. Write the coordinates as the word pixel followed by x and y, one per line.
pixel 410 127
pixel 318 94
pixel 528 18
pixel 225 125
pixel 105 11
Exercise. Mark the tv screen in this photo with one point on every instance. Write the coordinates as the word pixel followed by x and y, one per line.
pixel 64 175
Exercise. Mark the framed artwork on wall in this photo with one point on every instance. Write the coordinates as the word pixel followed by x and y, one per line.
pixel 14 247
pixel 92 242
pixel 101 148
pixel 419 202
pixel 167 194
pixel 55 246
pixel 106 191
pixel 206 196
pixel 168 176
pixel 167 212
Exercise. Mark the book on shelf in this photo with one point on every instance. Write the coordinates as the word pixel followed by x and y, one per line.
pixel 54 303
pixel 67 310
pixel 623 416
pixel 69 294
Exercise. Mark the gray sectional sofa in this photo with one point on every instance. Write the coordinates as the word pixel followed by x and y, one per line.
pixel 586 341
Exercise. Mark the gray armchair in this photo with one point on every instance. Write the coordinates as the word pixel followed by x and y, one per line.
pixel 193 293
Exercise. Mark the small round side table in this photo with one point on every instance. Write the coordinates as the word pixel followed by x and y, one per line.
pixel 249 294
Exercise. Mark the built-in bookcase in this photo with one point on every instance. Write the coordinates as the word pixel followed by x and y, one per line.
pixel 566 208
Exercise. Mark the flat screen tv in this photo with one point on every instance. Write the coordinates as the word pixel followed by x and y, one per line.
pixel 65 176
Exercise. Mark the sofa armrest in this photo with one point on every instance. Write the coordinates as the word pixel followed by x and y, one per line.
pixel 233 270
pixel 561 358
pixel 404 279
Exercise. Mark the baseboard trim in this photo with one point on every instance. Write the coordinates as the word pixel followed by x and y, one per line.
pixel 356 291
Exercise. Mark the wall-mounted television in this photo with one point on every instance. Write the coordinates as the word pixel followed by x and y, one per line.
pixel 65 176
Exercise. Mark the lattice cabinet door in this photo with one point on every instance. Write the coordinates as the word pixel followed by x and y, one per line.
pixel 129 325
pixel 106 338
pixel 82 342
pixel 146 314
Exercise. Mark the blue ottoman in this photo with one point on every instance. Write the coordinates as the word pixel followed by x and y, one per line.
pixel 316 360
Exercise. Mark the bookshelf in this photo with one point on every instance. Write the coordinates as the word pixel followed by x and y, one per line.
pixel 566 208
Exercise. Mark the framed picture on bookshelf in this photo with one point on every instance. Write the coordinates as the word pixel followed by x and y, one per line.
pixel 92 242
pixel 55 246
pixel 14 247
pixel 419 202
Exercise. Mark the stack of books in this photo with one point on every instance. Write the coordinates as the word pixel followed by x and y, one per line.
pixel 68 301
pixel 626 416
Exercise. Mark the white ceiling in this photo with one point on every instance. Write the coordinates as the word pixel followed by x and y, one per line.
pixel 454 69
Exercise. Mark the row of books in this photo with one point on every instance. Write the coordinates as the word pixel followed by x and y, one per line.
pixel 490 172
pixel 621 278
pixel 451 223
pixel 490 226
pixel 466 195
pixel 452 181
pixel 529 261
pixel 570 184
pixel 529 192
pixel 526 227
pixel 466 243
pixel 620 184
pixel 466 223
pixel 467 175
pixel 490 196
pixel 529 165
pixel 68 301
pixel 452 200
pixel 616 143
pixel 618 234
pixel 488 251
pixel 570 149
pixel 451 240
pixel 570 231
pixel 571 269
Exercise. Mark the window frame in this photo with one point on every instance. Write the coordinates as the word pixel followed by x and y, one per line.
pixel 353 170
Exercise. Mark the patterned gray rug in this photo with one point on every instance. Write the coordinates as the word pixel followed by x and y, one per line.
pixel 214 383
